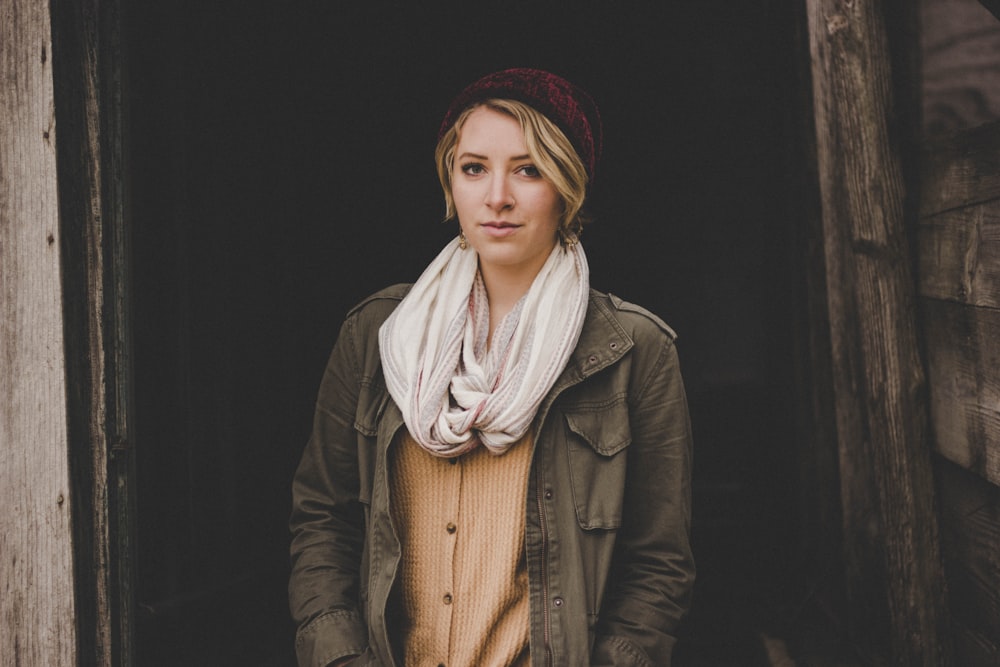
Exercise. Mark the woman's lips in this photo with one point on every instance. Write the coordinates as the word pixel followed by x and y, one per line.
pixel 499 229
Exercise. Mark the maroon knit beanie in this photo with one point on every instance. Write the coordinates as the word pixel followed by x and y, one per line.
pixel 568 106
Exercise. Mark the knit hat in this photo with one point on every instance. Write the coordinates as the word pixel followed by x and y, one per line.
pixel 571 109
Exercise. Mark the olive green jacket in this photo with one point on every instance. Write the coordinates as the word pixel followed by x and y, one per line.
pixel 608 512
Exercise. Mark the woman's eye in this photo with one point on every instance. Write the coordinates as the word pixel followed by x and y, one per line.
pixel 473 169
pixel 530 170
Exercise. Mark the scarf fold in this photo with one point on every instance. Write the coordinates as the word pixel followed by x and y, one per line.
pixel 453 392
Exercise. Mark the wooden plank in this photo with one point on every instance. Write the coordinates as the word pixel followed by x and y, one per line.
pixel 895 585
pixel 959 255
pixel 970 537
pixel 815 423
pixel 960 45
pixel 961 170
pixel 87 80
pixel 37 598
pixel 963 354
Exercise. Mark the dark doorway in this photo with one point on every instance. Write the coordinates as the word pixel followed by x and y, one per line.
pixel 280 156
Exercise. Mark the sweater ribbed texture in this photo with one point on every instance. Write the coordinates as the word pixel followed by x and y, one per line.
pixel 463 573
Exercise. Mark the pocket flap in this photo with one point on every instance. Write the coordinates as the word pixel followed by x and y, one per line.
pixel 605 429
pixel 597 438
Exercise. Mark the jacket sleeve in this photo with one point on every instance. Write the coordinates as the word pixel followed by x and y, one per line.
pixel 653 570
pixel 327 520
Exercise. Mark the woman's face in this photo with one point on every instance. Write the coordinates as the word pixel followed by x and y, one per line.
pixel 509 213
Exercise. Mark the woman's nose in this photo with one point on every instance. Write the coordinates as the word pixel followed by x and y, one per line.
pixel 498 196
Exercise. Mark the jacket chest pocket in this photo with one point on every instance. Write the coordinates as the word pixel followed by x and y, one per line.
pixel 597 443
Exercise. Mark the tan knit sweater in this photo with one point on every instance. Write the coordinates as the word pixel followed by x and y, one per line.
pixel 464 576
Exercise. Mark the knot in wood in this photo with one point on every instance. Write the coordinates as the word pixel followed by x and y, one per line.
pixel 835 24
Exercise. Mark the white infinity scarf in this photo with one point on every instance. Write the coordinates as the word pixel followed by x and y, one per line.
pixel 452 391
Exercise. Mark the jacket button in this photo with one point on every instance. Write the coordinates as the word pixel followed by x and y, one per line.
pixel 548 494
pixel 447 598
pixel 558 602
pixel 451 528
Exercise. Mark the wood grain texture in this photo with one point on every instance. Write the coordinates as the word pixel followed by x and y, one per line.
pixel 816 429
pixel 895 584
pixel 970 536
pixel 960 44
pixel 961 170
pixel 36 572
pixel 963 354
pixel 86 77
pixel 959 255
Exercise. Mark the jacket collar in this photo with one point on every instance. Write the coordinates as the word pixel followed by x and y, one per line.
pixel 602 342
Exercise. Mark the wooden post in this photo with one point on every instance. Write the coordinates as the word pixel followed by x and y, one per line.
pixel 37 597
pixel 87 73
pixel 896 603
pixel 65 491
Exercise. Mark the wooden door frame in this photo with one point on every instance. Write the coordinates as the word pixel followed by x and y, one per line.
pixel 67 598
pixel 866 100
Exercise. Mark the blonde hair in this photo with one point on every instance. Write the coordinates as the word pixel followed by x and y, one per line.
pixel 553 154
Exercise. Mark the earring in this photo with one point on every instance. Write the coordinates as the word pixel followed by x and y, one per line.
pixel 568 237
pixel 462 242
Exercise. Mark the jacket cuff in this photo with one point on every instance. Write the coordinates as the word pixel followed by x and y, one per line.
pixel 333 635
pixel 618 652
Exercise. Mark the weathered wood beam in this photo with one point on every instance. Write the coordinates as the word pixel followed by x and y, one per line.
pixel 961 170
pixel 963 349
pixel 894 580
pixel 37 597
pixel 64 491
pixel 959 253
pixel 87 70
pixel 970 531
pixel 816 432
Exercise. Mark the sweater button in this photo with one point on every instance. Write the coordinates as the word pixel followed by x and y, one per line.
pixel 451 528
pixel 447 598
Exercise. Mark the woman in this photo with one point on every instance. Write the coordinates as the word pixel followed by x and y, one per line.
pixel 499 469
